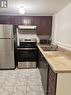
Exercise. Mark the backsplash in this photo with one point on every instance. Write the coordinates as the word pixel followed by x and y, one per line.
pixel 27 36
pixel 30 34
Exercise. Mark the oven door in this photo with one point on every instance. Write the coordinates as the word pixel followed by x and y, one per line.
pixel 27 54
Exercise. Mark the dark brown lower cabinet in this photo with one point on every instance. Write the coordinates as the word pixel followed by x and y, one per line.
pixel 52 81
pixel 48 77
pixel 43 68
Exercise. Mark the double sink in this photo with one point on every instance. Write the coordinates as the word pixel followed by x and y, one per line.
pixel 51 51
pixel 49 48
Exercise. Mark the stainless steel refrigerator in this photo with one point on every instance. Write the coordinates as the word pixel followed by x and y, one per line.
pixel 6 47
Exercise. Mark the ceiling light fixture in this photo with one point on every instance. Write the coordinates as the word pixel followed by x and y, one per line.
pixel 21 10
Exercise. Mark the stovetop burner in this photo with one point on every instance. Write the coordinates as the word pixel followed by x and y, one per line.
pixel 28 40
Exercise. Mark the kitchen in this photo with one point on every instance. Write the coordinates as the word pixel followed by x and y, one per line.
pixel 35 47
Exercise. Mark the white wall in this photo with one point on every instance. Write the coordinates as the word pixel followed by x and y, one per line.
pixel 62 27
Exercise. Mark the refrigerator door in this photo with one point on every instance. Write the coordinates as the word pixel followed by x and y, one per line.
pixel 6 31
pixel 7 54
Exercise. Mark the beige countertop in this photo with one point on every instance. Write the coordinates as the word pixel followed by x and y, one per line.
pixel 59 61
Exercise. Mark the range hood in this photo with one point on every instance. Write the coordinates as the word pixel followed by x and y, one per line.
pixel 26 27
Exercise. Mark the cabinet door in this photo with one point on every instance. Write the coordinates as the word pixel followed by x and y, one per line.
pixel 44 25
pixel 43 67
pixel 44 75
pixel 52 80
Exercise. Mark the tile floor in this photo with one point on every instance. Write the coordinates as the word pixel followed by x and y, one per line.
pixel 21 82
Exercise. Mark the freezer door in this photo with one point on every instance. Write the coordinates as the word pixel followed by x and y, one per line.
pixel 6 31
pixel 7 54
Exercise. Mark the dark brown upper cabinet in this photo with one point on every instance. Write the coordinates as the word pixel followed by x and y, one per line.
pixel 43 23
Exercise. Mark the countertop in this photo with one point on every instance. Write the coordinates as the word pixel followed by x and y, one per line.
pixel 59 61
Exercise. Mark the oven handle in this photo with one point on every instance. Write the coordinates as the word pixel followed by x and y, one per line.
pixel 26 48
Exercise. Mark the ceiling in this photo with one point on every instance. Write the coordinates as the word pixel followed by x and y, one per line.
pixel 34 7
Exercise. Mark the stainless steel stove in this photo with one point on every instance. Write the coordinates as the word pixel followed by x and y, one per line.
pixel 27 53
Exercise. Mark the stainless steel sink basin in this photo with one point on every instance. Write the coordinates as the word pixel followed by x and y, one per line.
pixel 50 48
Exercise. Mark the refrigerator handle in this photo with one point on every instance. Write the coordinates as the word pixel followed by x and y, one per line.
pixel 12 44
